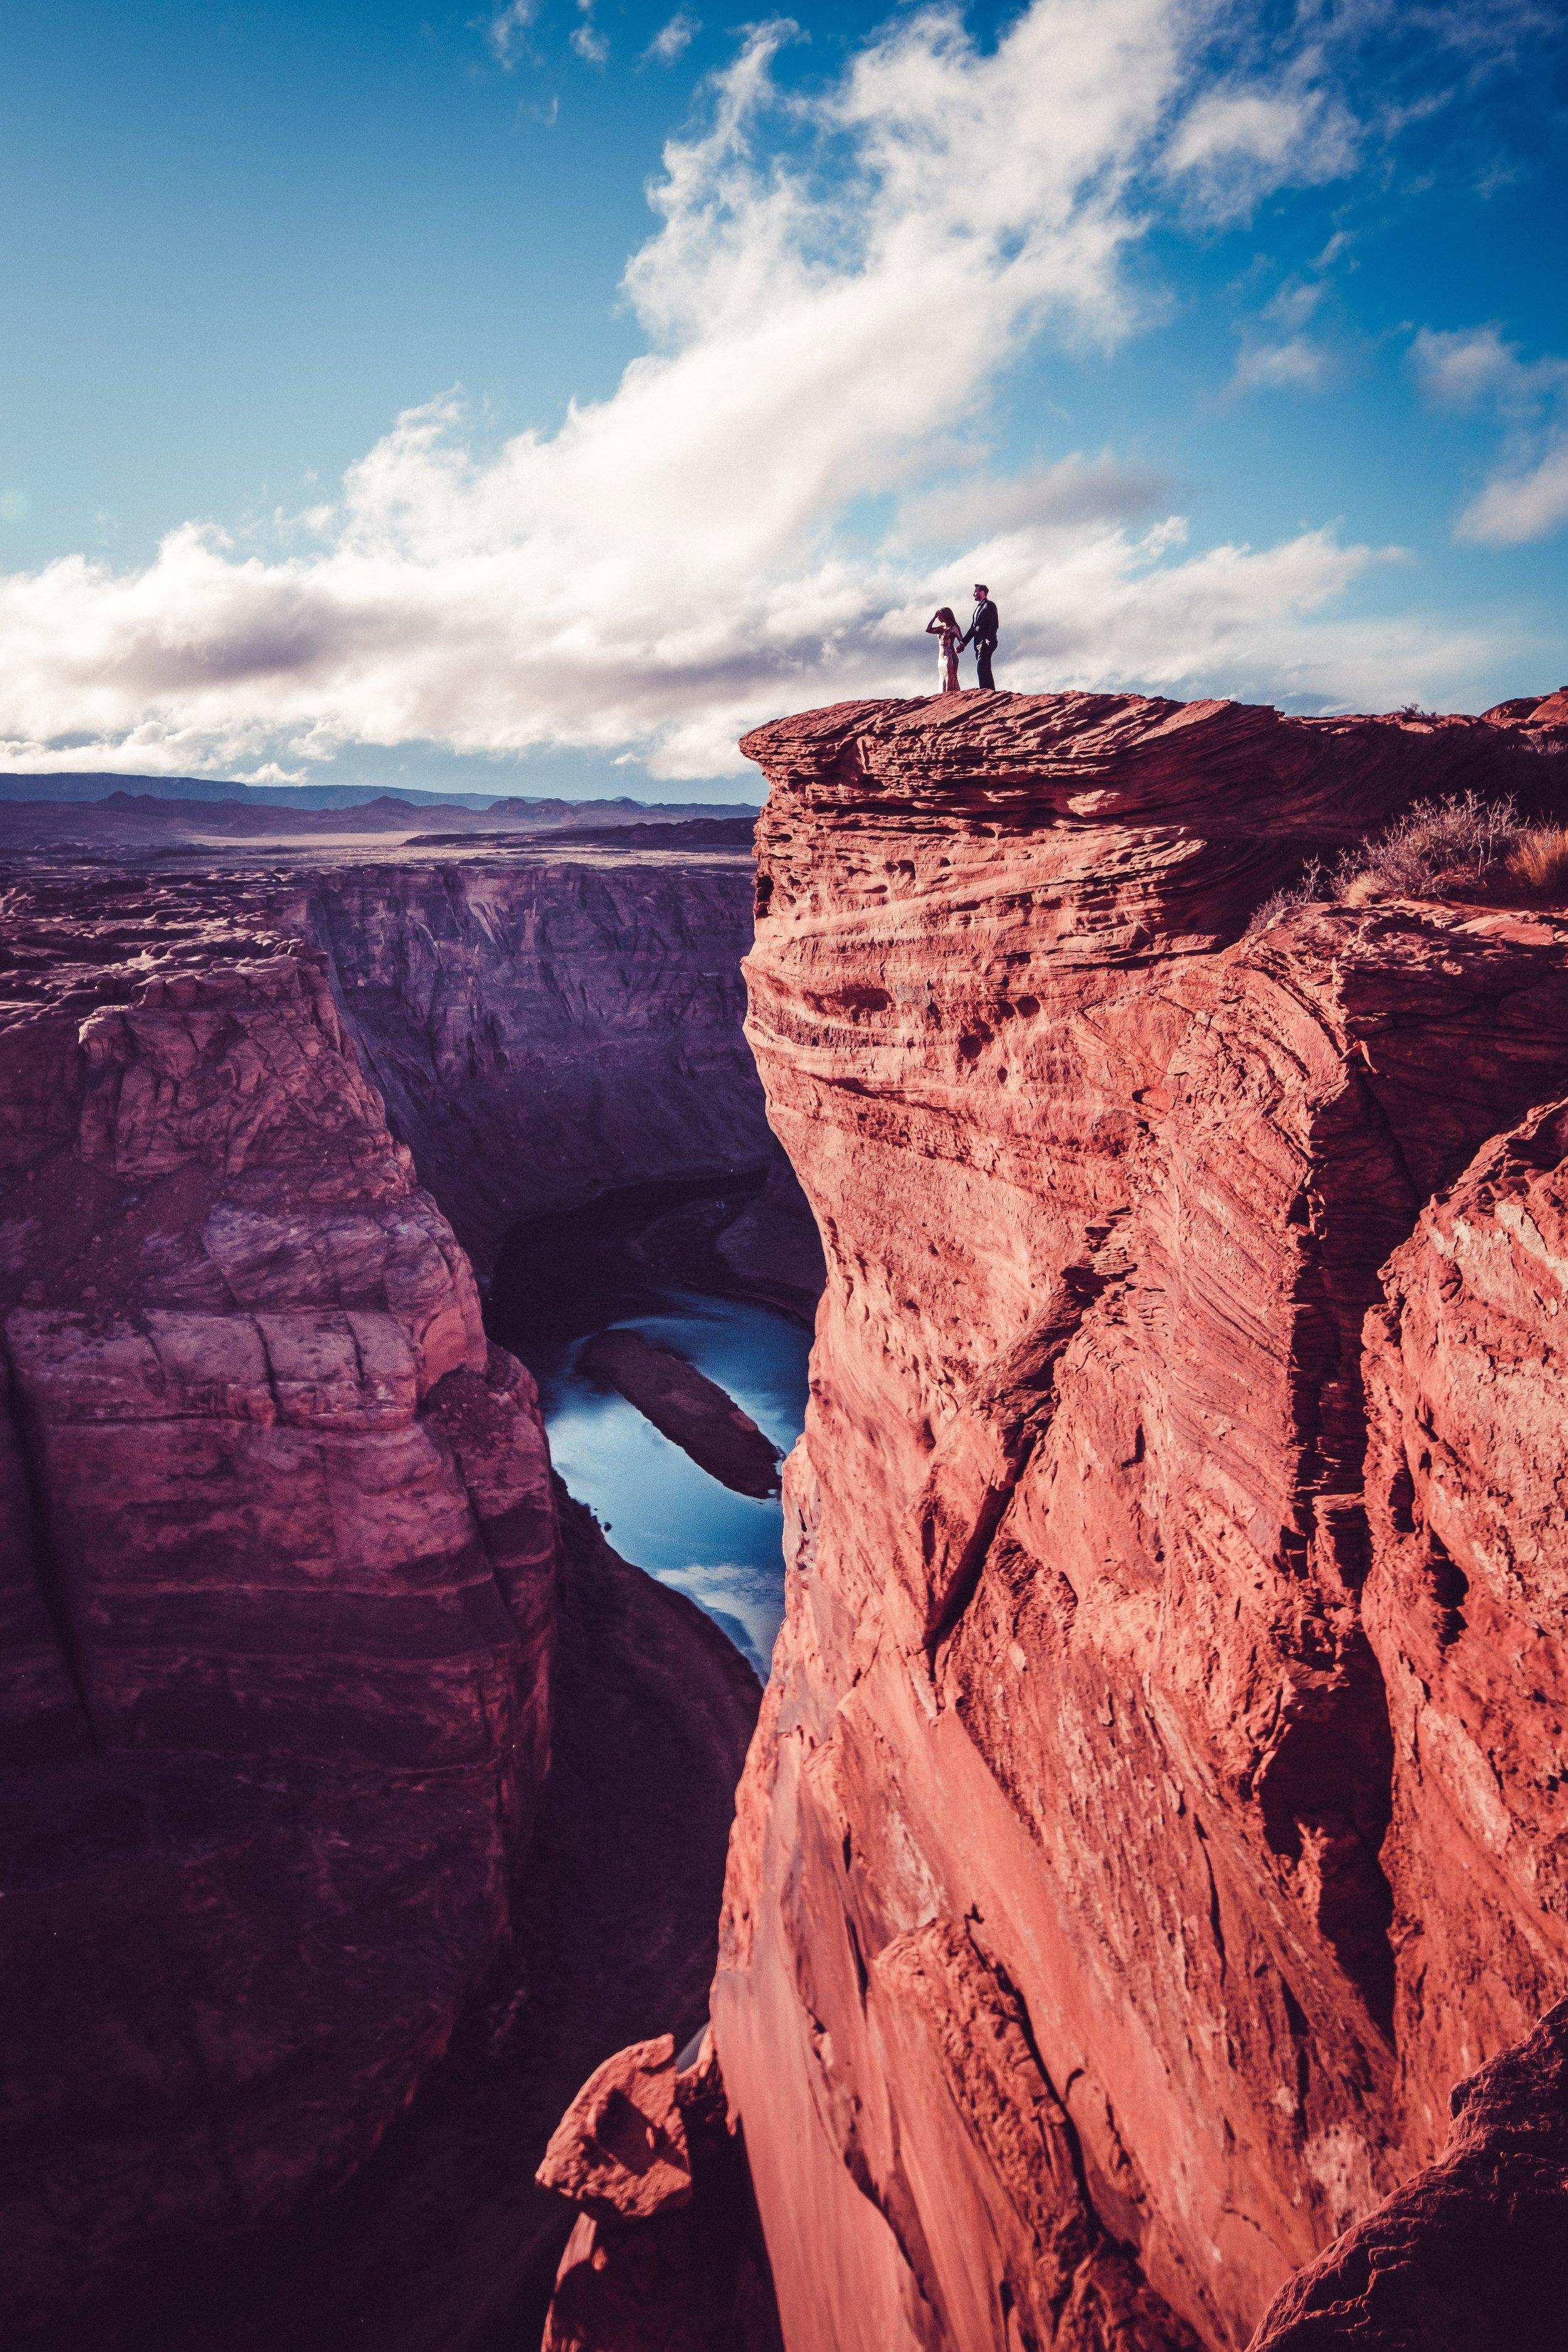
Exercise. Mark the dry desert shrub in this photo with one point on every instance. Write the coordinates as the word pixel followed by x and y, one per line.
pixel 1459 847
pixel 1539 862
pixel 1315 888
pixel 1434 850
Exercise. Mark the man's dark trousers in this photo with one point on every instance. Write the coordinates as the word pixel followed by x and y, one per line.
pixel 982 653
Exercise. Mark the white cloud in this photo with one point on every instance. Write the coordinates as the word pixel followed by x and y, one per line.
pixel 1076 490
pixel 1236 143
pixel 672 40
pixel 1458 370
pixel 587 40
pixel 1296 365
pixel 1521 505
pixel 1527 496
pixel 834 285
pixel 506 30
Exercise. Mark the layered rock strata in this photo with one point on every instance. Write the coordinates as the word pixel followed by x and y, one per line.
pixel 542 1029
pixel 547 1030
pixel 443 2238
pixel 1092 1954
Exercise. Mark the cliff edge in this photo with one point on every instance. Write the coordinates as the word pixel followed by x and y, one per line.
pixel 1157 1802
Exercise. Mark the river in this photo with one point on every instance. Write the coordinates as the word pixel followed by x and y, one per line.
pixel 563 1279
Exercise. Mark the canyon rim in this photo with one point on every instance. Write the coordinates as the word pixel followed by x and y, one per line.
pixel 1143 1914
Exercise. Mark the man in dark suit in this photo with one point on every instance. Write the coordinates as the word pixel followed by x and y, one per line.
pixel 981 634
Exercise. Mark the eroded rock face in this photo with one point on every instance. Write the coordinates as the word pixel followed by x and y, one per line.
pixel 1058 1990
pixel 547 1030
pixel 1467 1608
pixel 279 1550
pixel 665 2255
pixel 620 2149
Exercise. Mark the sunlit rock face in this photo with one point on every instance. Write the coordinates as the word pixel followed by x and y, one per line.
pixel 1466 1365
pixel 1092 1955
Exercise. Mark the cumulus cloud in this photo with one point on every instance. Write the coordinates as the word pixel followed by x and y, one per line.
pixel 835 283
pixel 673 40
pixel 1527 496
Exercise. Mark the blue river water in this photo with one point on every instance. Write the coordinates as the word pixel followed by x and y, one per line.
pixel 722 1549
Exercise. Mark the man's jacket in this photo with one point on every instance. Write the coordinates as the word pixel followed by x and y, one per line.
pixel 984 629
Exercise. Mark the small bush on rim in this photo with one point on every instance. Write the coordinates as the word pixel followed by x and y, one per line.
pixel 1433 850
pixel 1539 863
pixel 1459 847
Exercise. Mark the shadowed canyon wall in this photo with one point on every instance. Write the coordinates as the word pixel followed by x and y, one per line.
pixel 546 1031
pixel 281 1581
pixel 1154 1801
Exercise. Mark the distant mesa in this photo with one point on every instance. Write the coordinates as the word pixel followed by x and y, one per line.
pixel 128 811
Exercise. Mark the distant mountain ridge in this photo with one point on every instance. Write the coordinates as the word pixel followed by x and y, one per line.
pixel 50 785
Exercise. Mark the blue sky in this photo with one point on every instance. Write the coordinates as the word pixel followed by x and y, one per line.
pixel 1231 341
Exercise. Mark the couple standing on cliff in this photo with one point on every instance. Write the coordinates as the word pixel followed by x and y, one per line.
pixel 982 633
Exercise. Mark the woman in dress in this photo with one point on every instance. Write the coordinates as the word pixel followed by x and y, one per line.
pixel 945 629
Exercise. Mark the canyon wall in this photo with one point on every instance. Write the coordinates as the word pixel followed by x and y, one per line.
pixel 280 1549
pixel 283 1583
pixel 545 1031
pixel 1154 1805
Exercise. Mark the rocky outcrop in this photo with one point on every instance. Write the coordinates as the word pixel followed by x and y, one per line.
pixel 1543 716
pixel 1071 1989
pixel 284 1554
pixel 443 2238
pixel 665 2255
pixel 1472 2255
pixel 1467 1608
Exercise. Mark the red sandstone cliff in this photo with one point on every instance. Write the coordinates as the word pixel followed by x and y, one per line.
pixel 540 1028
pixel 283 1545
pixel 1153 1806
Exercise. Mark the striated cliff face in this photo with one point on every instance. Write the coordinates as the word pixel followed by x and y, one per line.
pixel 1154 1805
